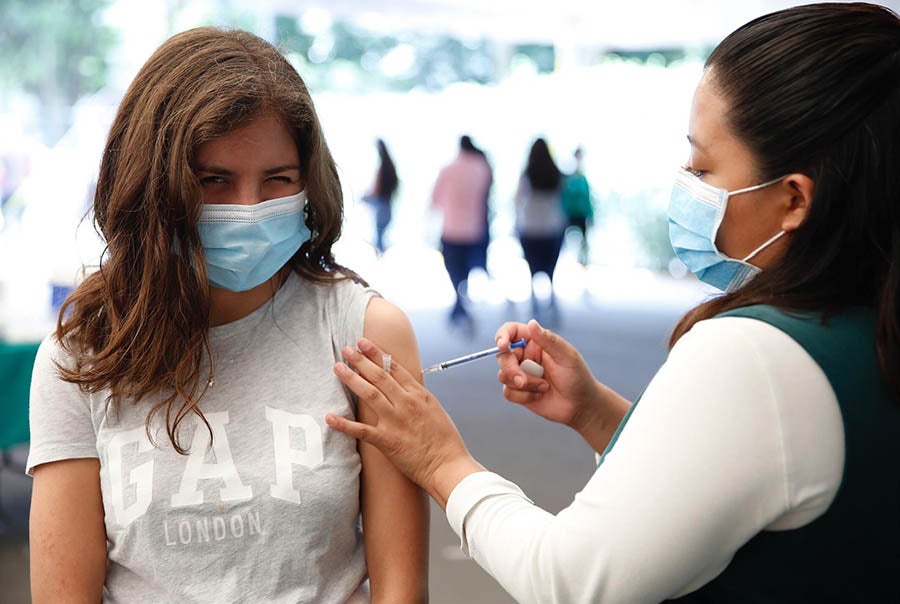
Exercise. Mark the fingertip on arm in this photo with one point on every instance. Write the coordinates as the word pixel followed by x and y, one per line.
pixel 357 430
pixel 339 368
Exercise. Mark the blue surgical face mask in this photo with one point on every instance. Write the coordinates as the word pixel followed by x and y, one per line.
pixel 696 210
pixel 244 246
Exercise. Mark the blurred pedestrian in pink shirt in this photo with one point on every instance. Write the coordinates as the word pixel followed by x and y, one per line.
pixel 461 194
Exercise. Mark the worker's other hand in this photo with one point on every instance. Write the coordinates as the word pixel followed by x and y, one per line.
pixel 411 428
pixel 566 393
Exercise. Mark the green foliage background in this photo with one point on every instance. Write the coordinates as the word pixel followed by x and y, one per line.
pixel 56 50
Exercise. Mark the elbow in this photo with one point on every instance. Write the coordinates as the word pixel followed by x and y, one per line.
pixel 564 570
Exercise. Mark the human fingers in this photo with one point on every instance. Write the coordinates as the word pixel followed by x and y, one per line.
pixel 367 393
pixel 550 343
pixel 400 374
pixel 544 346
pixel 509 332
pixel 523 373
pixel 521 397
pixel 364 432
pixel 509 363
pixel 373 372
pixel 516 379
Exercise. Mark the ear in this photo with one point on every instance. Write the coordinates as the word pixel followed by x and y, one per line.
pixel 799 188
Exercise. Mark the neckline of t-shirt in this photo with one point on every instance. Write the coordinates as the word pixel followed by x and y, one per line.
pixel 245 326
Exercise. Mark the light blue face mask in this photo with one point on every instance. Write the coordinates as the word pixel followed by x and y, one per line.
pixel 696 210
pixel 244 246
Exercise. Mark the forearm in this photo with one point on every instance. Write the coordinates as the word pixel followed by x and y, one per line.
pixel 501 530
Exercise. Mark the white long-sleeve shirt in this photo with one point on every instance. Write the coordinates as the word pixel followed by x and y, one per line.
pixel 739 432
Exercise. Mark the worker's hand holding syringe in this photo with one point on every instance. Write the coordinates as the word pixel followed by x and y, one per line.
pixel 565 390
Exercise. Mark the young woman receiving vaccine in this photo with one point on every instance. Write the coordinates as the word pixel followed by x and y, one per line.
pixel 761 463
pixel 179 449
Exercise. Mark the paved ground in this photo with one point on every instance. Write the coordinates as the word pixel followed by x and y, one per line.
pixel 620 327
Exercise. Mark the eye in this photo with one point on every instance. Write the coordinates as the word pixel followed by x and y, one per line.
pixel 284 179
pixel 694 172
pixel 212 180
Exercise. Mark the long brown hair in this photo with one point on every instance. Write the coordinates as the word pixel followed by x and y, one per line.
pixel 138 325
pixel 816 90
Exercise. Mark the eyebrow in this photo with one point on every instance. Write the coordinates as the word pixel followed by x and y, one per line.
pixel 227 172
pixel 696 144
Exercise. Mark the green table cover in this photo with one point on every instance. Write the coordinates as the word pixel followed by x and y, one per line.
pixel 16 361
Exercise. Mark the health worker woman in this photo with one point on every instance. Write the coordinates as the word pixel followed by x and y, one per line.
pixel 762 461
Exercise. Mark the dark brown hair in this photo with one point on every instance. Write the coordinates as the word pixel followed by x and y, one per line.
pixel 541 170
pixel 815 90
pixel 138 325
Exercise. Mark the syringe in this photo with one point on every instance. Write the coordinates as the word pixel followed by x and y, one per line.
pixel 472 357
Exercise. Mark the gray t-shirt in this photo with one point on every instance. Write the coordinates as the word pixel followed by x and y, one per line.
pixel 269 512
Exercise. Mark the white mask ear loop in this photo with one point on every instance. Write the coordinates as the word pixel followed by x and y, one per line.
pixel 764 246
pixel 755 187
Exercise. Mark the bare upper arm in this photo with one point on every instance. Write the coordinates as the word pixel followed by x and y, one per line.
pixel 388 326
pixel 67 533
pixel 395 511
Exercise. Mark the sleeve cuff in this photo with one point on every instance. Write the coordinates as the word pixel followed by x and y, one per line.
pixel 38 457
pixel 469 493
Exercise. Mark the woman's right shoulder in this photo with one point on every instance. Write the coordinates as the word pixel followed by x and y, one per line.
pixel 50 352
pixel 51 356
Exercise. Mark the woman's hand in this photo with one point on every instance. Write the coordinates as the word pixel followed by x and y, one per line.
pixel 411 428
pixel 567 392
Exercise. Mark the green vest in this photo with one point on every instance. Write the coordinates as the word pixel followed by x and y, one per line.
pixel 852 552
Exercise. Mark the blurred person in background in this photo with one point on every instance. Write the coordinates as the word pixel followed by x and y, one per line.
pixel 460 193
pixel 481 258
pixel 178 444
pixel 540 221
pixel 578 205
pixel 381 194
pixel 761 462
